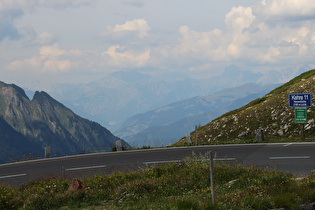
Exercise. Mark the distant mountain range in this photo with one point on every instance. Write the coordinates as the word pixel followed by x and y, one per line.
pixel 27 126
pixel 270 113
pixel 168 124
pixel 115 98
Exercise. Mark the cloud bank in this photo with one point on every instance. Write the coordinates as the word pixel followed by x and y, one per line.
pixel 272 32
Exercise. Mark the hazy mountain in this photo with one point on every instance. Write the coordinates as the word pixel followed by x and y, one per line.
pixel 120 95
pixel 111 100
pixel 166 124
pixel 30 125
pixel 271 113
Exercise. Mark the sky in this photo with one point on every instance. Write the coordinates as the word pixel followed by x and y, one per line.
pixel 43 42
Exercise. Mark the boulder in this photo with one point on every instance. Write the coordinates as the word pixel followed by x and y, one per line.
pixel 76 185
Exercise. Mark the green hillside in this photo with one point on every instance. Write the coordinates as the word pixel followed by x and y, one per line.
pixel 270 113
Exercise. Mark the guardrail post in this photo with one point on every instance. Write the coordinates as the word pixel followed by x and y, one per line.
pixel 47 152
pixel 188 140
pixel 119 145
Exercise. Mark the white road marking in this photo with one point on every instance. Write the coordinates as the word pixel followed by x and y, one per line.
pixel 12 176
pixel 293 157
pixel 289 144
pixel 85 168
pixel 224 159
pixel 179 161
pixel 157 162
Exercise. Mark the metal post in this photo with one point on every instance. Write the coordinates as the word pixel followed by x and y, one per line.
pixel 196 141
pixel 211 177
pixel 302 131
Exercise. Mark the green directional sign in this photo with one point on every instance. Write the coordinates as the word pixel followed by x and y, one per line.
pixel 300 115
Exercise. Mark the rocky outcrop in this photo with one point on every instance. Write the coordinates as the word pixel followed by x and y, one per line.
pixel 43 121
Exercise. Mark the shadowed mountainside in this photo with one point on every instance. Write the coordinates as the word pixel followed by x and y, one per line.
pixel 30 125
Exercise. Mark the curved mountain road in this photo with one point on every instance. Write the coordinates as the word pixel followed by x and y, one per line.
pixel 295 158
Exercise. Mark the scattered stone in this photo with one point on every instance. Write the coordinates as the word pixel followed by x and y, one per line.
pixel 76 185
pixel 280 132
pixel 242 134
pixel 307 127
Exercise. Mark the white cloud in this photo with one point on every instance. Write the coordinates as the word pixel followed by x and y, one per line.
pixel 137 25
pixel 286 9
pixel 239 18
pixel 248 39
pixel 119 57
pixel 261 34
pixel 50 59
pixel 44 38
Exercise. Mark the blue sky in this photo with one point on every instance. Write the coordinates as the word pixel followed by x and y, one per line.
pixel 43 42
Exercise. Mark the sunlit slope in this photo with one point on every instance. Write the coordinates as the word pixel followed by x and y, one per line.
pixel 270 113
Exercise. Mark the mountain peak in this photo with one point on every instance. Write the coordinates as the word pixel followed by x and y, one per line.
pixel 44 99
pixel 18 91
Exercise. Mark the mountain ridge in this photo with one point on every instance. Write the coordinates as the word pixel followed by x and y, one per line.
pixel 123 94
pixel 176 119
pixel 43 121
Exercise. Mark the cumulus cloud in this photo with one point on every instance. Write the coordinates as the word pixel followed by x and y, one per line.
pixel 137 25
pixel 44 38
pixel 120 57
pixel 50 59
pixel 250 38
pixel 239 18
pixel 137 3
pixel 31 37
pixel 286 9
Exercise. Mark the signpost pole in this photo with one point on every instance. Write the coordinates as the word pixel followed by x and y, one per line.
pixel 302 131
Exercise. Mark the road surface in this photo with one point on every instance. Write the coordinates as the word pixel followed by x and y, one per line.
pixel 295 158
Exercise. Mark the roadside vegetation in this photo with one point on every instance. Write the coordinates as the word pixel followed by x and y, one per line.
pixel 183 185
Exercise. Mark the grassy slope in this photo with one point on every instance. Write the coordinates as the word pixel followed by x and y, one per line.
pixel 271 113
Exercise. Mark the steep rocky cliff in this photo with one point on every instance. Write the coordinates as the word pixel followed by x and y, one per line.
pixel 44 121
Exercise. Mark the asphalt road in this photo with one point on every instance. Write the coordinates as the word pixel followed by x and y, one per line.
pixel 295 158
